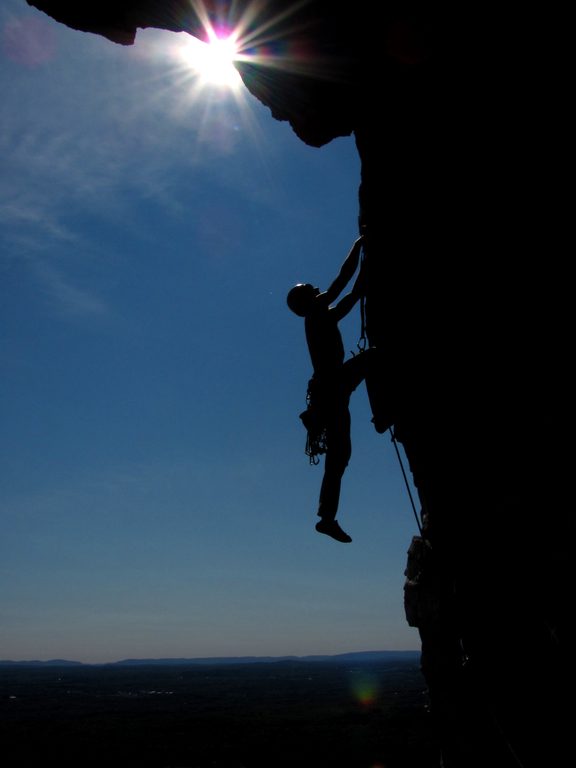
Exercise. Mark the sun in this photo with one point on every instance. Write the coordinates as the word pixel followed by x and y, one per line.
pixel 213 61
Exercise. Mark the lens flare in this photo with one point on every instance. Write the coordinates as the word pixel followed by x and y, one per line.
pixel 28 41
pixel 365 689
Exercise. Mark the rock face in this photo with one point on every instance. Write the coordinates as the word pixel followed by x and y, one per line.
pixel 457 119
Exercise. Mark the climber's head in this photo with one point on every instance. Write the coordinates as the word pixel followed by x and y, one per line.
pixel 300 299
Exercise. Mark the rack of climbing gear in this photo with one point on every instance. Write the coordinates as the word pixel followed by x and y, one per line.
pixel 315 427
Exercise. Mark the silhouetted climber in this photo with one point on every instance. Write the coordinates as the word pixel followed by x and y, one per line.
pixel 333 380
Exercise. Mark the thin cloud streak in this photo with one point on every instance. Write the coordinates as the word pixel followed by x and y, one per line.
pixel 67 297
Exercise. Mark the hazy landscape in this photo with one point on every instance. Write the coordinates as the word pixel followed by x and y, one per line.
pixel 350 711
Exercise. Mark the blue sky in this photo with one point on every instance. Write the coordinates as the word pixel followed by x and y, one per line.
pixel 155 497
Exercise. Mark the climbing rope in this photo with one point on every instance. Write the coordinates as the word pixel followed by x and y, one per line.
pixel 362 341
pixel 418 521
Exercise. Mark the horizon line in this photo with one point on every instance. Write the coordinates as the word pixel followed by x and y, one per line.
pixel 207 659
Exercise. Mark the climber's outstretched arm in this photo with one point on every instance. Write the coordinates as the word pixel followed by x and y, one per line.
pixel 347 302
pixel 345 275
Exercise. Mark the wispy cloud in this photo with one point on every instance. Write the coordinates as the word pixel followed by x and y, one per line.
pixel 68 298
pixel 26 224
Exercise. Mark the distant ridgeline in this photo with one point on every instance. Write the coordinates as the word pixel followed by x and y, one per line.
pixel 356 658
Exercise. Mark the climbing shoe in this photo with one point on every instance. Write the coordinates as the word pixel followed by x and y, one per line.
pixel 331 528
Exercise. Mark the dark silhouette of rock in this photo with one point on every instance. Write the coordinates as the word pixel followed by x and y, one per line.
pixel 457 112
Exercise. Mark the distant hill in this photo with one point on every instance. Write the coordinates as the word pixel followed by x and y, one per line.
pixel 50 663
pixel 356 658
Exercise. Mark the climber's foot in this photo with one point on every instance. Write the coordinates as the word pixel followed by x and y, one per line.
pixel 331 528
